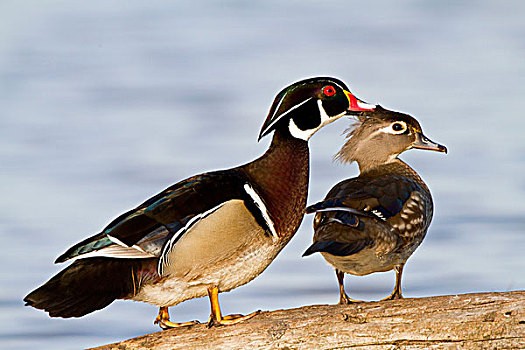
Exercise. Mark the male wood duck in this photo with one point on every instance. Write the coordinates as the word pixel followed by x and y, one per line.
pixel 209 233
pixel 374 222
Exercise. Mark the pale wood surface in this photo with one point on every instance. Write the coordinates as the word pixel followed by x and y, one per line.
pixel 469 321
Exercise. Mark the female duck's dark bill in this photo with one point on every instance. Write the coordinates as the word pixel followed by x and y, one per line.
pixel 356 105
pixel 423 142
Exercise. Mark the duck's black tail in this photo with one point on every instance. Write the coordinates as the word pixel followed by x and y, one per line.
pixel 88 285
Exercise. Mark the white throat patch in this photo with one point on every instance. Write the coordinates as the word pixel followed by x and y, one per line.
pixel 306 134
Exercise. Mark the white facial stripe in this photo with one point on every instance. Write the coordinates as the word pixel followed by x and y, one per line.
pixel 325 118
pixel 164 256
pixel 260 204
pixel 302 134
pixel 306 134
pixel 278 106
pixel 285 113
pixel 282 99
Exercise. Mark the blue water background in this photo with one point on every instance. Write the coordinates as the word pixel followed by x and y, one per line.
pixel 105 103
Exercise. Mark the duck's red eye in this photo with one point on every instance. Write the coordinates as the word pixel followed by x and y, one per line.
pixel 329 90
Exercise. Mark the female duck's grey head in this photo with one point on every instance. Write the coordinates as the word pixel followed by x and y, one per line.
pixel 379 136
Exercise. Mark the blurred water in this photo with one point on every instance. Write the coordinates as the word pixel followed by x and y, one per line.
pixel 105 103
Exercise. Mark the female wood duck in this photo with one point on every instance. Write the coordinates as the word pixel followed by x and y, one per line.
pixel 374 222
pixel 209 233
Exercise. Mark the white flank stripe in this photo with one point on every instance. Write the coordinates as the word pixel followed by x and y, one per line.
pixel 164 256
pixel 260 204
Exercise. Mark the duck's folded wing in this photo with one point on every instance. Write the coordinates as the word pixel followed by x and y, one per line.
pixel 355 210
pixel 144 231
pixel 381 197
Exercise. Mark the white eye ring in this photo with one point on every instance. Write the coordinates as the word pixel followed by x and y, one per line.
pixel 395 129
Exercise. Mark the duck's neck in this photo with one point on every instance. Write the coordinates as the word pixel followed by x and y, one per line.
pixel 370 164
pixel 394 167
pixel 282 177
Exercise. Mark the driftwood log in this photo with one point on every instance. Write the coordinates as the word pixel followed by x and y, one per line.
pixel 469 321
